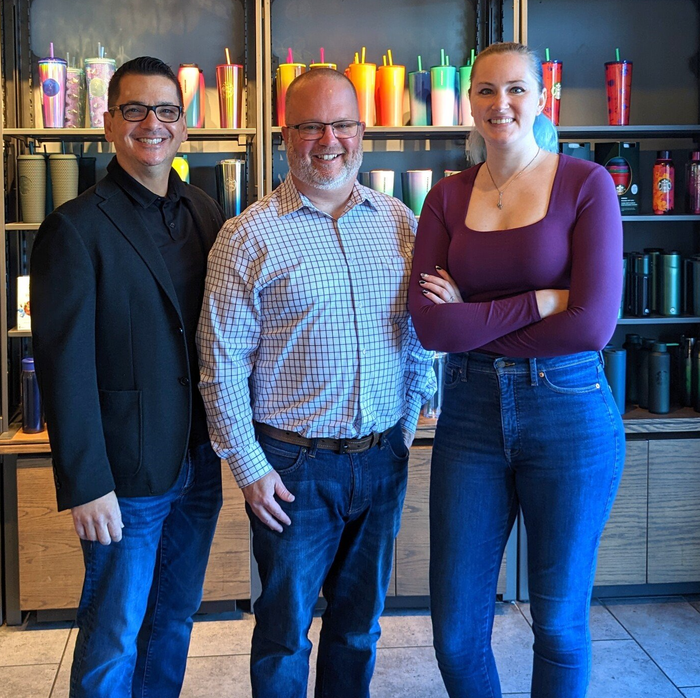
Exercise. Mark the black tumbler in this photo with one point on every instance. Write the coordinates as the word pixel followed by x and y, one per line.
pixel 643 375
pixel 632 345
pixel 685 379
pixel 695 373
pixel 659 379
pixel 670 295
pixel 655 271
pixel 615 361
pixel 639 300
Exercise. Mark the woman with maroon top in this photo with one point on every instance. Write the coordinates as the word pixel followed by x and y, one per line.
pixel 517 274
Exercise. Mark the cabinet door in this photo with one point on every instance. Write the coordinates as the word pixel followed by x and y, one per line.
pixel 674 511
pixel 51 561
pixel 413 542
pixel 622 557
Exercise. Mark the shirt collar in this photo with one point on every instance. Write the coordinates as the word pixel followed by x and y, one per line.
pixel 291 199
pixel 143 196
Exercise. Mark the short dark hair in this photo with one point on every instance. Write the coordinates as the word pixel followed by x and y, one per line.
pixel 144 65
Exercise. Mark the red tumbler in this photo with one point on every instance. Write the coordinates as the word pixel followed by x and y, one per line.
pixel 618 83
pixel 551 75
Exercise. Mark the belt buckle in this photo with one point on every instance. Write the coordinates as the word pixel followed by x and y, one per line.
pixel 343 447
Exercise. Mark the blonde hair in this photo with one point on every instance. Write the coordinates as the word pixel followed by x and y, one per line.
pixel 545 133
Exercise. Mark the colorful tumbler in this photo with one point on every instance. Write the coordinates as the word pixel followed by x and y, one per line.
pixel 419 98
pixel 416 185
pixel 382 180
pixel 229 85
pixel 363 77
pixel 286 72
pixel 443 80
pixel 390 81
pixel 618 82
pixel 465 109
pixel 75 98
pixel 98 73
pixel 322 63
pixel 52 78
pixel 191 82
pixel 551 74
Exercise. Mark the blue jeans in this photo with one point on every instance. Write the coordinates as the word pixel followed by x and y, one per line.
pixel 139 595
pixel 543 435
pixel 344 521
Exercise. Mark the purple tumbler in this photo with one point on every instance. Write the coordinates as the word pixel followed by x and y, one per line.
pixel 52 78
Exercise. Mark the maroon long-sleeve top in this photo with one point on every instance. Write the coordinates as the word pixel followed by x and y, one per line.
pixel 576 246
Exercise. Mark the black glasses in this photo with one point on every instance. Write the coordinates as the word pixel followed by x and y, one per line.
pixel 314 130
pixel 167 113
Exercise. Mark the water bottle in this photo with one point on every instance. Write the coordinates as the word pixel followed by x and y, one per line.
pixel 643 378
pixel 32 415
pixel 632 345
pixel 615 373
pixel 659 379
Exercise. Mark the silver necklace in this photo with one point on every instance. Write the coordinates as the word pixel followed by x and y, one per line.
pixel 501 191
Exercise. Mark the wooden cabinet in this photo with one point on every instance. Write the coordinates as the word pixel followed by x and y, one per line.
pixel 674 511
pixel 50 559
pixel 622 556
pixel 413 542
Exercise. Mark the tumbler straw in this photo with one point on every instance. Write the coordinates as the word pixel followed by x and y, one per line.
pixel 228 57
pixel 290 57
pixel 323 55
pixel 363 55
pixel 617 55
pixel 546 55
pixel 473 56
pixel 51 50
pixel 420 64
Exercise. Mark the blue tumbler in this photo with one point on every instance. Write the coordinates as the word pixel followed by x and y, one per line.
pixel 32 415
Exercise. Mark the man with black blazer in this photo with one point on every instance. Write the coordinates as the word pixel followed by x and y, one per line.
pixel 117 278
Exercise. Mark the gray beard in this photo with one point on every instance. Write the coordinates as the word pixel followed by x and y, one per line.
pixel 304 171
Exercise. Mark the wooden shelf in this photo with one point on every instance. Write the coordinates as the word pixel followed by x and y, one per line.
pixel 628 132
pixel 16 441
pixel 640 421
pixel 22 226
pixel 14 332
pixel 97 134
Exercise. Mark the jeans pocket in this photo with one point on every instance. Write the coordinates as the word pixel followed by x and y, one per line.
pixel 396 444
pixel 573 380
pixel 453 373
pixel 283 457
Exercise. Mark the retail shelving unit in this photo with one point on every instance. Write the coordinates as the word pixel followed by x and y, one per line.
pixel 42 560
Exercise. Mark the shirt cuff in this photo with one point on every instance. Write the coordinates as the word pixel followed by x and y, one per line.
pixel 249 466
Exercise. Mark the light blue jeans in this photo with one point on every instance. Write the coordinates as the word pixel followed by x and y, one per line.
pixel 543 435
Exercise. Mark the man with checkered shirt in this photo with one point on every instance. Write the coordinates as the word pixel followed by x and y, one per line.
pixel 313 380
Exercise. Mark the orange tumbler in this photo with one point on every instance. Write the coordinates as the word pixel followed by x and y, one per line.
pixel 390 87
pixel 363 76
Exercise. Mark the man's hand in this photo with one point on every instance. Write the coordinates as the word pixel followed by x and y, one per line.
pixel 260 496
pixel 99 520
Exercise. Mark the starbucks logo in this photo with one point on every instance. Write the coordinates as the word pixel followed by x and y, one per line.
pixel 231 186
pixel 556 90
pixel 50 87
pixel 227 90
pixel 25 185
pixel 98 87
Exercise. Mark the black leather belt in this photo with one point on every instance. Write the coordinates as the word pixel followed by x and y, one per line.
pixel 342 446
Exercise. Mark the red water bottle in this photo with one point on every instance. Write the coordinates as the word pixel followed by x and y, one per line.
pixel 663 189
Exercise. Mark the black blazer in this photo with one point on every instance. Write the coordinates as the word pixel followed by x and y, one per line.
pixel 110 351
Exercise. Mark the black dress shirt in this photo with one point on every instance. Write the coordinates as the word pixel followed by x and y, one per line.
pixel 170 222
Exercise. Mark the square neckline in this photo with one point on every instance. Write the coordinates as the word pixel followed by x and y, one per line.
pixel 552 192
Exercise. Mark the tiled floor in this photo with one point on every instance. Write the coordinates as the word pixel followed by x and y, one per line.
pixel 642 648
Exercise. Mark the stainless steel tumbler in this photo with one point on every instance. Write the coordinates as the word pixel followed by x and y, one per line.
pixel 231 186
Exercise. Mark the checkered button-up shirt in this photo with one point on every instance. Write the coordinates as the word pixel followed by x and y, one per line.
pixel 305 325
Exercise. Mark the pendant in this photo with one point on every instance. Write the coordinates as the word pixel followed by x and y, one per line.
pixel 500 200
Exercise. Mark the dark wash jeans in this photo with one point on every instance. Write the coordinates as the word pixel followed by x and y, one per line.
pixel 139 595
pixel 543 435
pixel 344 521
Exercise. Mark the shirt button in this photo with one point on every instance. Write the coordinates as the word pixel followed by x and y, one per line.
pixel 172 225
pixel 184 380
pixel 181 330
